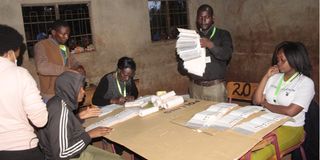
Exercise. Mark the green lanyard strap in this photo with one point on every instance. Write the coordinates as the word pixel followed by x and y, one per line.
pixel 119 88
pixel 64 53
pixel 213 32
pixel 279 86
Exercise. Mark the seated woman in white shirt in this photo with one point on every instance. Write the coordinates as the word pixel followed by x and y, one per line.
pixel 286 89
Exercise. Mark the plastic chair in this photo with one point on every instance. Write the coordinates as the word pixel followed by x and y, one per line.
pixel 272 138
pixel 297 146
pixel 106 143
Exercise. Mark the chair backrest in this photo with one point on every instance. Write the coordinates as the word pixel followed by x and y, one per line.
pixel 311 126
pixel 241 90
pixel 89 94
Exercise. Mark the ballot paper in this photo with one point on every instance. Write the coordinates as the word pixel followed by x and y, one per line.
pixel 207 117
pixel 118 118
pixel 172 102
pixel 167 95
pixel 258 123
pixel 235 117
pixel 146 111
pixel 146 105
pixel 108 109
pixel 167 100
pixel 190 51
pixel 135 103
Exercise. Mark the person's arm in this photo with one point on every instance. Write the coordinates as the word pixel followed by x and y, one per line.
pixel 290 110
pixel 67 137
pixel 221 52
pixel 89 111
pixel 43 66
pixel 33 105
pixel 72 61
pixel 99 132
pixel 258 96
pixel 98 96
pixel 301 100
pixel 134 90
pixel 74 64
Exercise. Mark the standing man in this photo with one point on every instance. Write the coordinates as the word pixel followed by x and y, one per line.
pixel 52 57
pixel 218 44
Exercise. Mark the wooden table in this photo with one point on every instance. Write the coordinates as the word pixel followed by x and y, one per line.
pixel 162 136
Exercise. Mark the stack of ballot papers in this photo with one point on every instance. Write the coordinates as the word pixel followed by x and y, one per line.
pixel 148 109
pixel 168 100
pixel 209 116
pixel 136 103
pixel 145 104
pixel 190 51
pixel 234 117
pixel 118 118
pixel 108 109
pixel 259 123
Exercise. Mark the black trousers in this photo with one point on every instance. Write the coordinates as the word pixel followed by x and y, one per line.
pixel 29 154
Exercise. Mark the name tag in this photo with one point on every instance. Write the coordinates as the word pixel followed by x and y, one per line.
pixel 208 59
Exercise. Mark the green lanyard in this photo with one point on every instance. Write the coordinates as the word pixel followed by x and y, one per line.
pixel 119 88
pixel 213 32
pixel 64 53
pixel 280 85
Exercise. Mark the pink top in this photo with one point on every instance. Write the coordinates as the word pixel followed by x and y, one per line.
pixel 20 101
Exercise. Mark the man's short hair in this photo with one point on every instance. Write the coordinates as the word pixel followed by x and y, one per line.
pixel 10 39
pixel 207 8
pixel 59 23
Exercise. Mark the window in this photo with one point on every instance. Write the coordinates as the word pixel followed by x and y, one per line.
pixel 165 17
pixel 38 19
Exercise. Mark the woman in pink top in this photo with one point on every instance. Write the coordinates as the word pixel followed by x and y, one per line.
pixel 21 106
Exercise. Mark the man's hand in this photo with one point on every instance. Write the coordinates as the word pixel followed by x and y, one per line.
pixel 206 43
pixel 99 132
pixel 90 111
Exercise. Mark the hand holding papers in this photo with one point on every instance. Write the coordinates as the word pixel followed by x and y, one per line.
pixel 190 51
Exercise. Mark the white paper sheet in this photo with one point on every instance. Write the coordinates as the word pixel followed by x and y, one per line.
pixel 109 108
pixel 118 118
pixel 147 111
